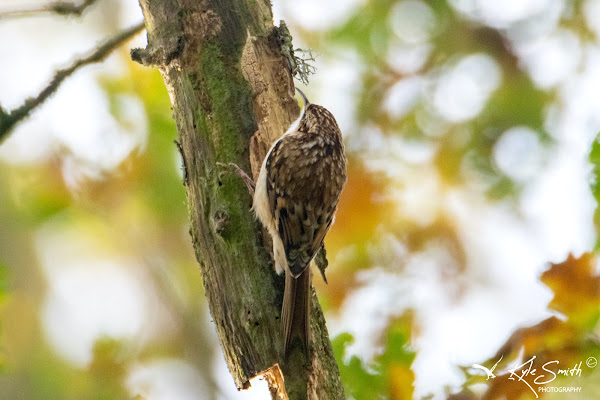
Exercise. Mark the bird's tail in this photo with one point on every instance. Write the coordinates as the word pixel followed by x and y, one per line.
pixel 296 310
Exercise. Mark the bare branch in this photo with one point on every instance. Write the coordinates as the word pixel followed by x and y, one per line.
pixel 59 7
pixel 8 120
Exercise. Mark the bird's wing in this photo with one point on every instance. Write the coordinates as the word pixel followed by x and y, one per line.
pixel 497 362
pixel 487 371
pixel 296 203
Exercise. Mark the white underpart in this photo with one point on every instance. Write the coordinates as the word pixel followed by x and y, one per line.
pixel 261 207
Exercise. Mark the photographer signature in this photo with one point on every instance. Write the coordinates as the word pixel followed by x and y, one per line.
pixel 548 373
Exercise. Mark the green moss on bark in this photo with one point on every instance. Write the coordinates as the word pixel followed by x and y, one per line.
pixel 227 124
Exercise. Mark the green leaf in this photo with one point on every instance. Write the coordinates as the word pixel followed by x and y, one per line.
pixel 594 158
pixel 358 382
pixel 3 290
pixel 389 376
pixel 3 279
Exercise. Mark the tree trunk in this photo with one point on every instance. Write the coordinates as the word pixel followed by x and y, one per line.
pixel 228 76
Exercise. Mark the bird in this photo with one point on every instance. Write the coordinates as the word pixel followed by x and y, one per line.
pixel 489 372
pixel 296 197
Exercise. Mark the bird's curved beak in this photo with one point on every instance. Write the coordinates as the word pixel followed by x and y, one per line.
pixel 306 102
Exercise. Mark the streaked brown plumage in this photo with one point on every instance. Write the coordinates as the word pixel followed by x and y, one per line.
pixel 296 196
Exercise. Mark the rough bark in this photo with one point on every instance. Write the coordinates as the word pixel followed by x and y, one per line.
pixel 232 95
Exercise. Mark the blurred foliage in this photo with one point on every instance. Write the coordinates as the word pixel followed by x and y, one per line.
pixel 136 212
pixel 463 160
pixel 594 158
pixel 554 343
pixel 394 209
pixel 389 375
pixel 3 278
pixel 576 288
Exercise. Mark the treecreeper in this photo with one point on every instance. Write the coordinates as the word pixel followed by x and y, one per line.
pixel 296 197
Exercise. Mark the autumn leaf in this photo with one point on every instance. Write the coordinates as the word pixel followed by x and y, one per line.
pixel 576 289
pixel 565 342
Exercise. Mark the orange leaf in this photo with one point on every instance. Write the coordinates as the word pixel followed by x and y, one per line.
pixel 576 289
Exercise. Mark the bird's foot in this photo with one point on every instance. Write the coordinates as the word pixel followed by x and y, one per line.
pixel 248 181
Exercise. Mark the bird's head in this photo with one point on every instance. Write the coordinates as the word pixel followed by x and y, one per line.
pixel 316 119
